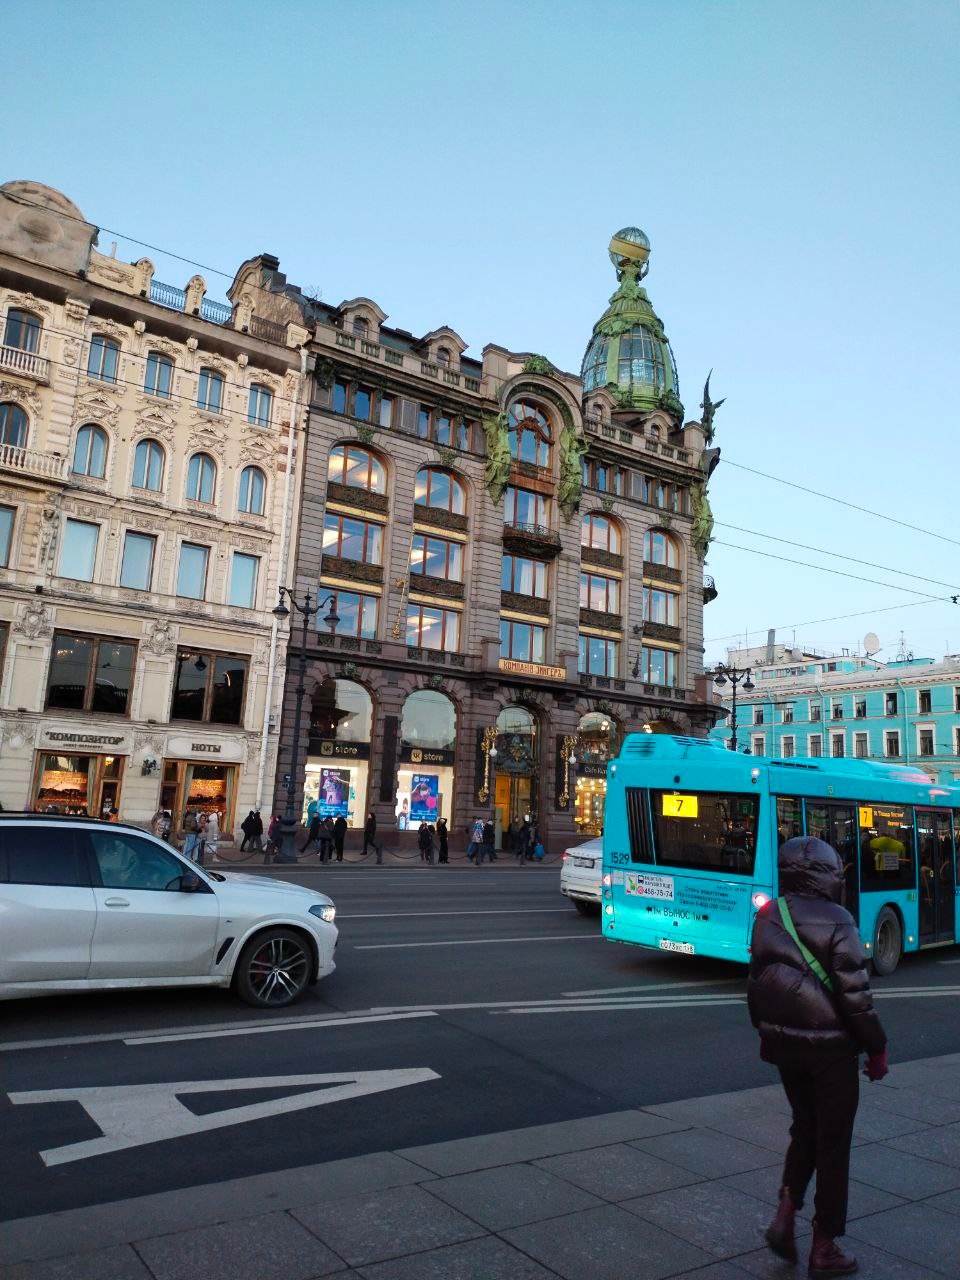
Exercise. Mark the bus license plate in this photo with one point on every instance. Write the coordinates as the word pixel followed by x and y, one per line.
pixel 668 944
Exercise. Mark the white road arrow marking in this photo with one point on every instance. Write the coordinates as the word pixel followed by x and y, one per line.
pixel 132 1115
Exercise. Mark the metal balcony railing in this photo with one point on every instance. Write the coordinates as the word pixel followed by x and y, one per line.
pixel 32 462
pixel 216 312
pixel 166 295
pixel 26 362
pixel 268 330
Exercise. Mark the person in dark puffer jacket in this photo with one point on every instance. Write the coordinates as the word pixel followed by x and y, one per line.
pixel 814 1036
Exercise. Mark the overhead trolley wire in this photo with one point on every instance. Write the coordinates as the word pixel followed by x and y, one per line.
pixel 820 568
pixel 853 506
pixel 837 617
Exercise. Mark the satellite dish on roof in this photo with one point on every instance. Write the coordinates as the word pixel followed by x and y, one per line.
pixel 871 643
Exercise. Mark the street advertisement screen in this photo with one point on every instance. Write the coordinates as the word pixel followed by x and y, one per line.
pixel 424 797
pixel 334 798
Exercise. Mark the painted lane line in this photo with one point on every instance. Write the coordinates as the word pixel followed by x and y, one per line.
pixel 134 1115
pixel 507 911
pixel 657 986
pixel 716 1002
pixel 474 942
pixel 305 1024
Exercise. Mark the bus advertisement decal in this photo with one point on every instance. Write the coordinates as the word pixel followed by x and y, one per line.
pixel 647 886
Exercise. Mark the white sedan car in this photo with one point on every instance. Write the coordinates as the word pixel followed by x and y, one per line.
pixel 580 874
pixel 88 906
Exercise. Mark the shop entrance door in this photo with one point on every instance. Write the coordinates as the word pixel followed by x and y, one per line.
pixel 512 798
pixel 936 885
pixel 837 825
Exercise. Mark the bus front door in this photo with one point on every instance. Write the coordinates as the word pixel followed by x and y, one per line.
pixel 837 825
pixel 936 887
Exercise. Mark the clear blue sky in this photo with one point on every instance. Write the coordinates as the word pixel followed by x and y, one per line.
pixel 794 164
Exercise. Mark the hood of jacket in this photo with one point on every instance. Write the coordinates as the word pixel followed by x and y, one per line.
pixel 810 867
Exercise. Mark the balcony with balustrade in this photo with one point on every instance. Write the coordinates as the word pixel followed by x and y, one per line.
pixel 36 463
pixel 26 363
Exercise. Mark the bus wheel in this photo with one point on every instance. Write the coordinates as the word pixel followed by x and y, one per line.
pixel 887 942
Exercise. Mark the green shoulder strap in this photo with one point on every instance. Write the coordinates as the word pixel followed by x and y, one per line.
pixel 805 951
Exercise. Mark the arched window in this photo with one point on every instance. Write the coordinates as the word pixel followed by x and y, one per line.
pixel 530 434
pixel 341 710
pixel 201 478
pixel 660 548
pixel 90 452
pixel 361 327
pixel 104 358
pixel 259 404
pixel 429 720
pixel 22 330
pixel 210 391
pixel 601 533
pixel 13 426
pixel 435 488
pixel 598 737
pixel 148 459
pixel 641 358
pixel 253 487
pixel 159 377
pixel 443 355
pixel 358 468
pixel 594 371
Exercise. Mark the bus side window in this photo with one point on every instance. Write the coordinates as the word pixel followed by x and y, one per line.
pixel 887 859
pixel 789 819
pixel 638 824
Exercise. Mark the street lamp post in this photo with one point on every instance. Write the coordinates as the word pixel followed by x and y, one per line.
pixel 307 610
pixel 734 676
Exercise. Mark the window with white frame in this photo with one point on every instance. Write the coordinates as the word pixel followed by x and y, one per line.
pixel 136 566
pixel 103 359
pixel 815 745
pixel 758 745
pixel 243 580
pixel 861 745
pixel 7 517
pixel 78 553
pixel 148 460
pixel 158 380
pixel 758 715
pixel 891 742
pixel 90 452
pixel 838 745
pixel 788 748
pixel 210 391
pixel 788 713
pixel 926 740
pixel 259 405
pixel 815 709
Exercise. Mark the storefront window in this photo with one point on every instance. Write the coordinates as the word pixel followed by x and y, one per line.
pixel 87 674
pixel 202 788
pixel 209 687
pixel 425 778
pixel 597 743
pixel 338 760
pixel 85 786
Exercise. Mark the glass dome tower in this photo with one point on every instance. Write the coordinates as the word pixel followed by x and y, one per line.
pixel 628 353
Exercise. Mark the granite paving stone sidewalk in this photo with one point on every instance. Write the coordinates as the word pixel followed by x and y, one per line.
pixel 681 1190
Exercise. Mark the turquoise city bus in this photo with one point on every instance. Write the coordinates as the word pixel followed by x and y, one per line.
pixel 692 831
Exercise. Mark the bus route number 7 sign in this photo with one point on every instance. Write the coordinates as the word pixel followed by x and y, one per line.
pixel 680 807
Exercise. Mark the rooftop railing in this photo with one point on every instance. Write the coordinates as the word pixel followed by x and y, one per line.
pixel 167 295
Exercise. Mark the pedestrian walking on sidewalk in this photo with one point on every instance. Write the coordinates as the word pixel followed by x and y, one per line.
pixel 326 839
pixel 272 851
pixel 247 826
pixel 212 835
pixel 370 839
pixel 476 840
pixel 486 849
pixel 443 841
pixel 809 997
pixel 339 835
pixel 191 834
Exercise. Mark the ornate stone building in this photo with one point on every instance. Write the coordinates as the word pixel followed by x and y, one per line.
pixel 147 480
pixel 514 556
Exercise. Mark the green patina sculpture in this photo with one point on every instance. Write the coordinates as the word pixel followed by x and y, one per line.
pixel 709 408
pixel 538 364
pixel 701 530
pixel 570 486
pixel 497 471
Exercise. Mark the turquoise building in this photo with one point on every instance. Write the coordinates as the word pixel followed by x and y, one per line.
pixel 810 705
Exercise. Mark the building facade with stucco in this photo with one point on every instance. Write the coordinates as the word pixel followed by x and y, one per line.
pixel 147 478
pixel 510 569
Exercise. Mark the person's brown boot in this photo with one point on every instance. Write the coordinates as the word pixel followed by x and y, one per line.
pixel 779 1234
pixel 828 1259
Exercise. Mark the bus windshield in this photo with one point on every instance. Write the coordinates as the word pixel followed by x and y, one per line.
pixel 706 831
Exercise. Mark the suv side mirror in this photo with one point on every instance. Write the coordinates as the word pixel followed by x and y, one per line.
pixel 189 882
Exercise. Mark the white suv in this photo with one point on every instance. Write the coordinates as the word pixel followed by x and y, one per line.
pixel 580 874
pixel 88 905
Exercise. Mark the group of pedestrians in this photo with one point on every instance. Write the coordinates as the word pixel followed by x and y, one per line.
pixel 326 837
pixel 426 837
pixel 201 832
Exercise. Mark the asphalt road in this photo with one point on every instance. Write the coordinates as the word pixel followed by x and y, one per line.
pixel 493 1003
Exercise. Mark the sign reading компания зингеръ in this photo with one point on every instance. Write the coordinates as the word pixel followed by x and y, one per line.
pixel 532 669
